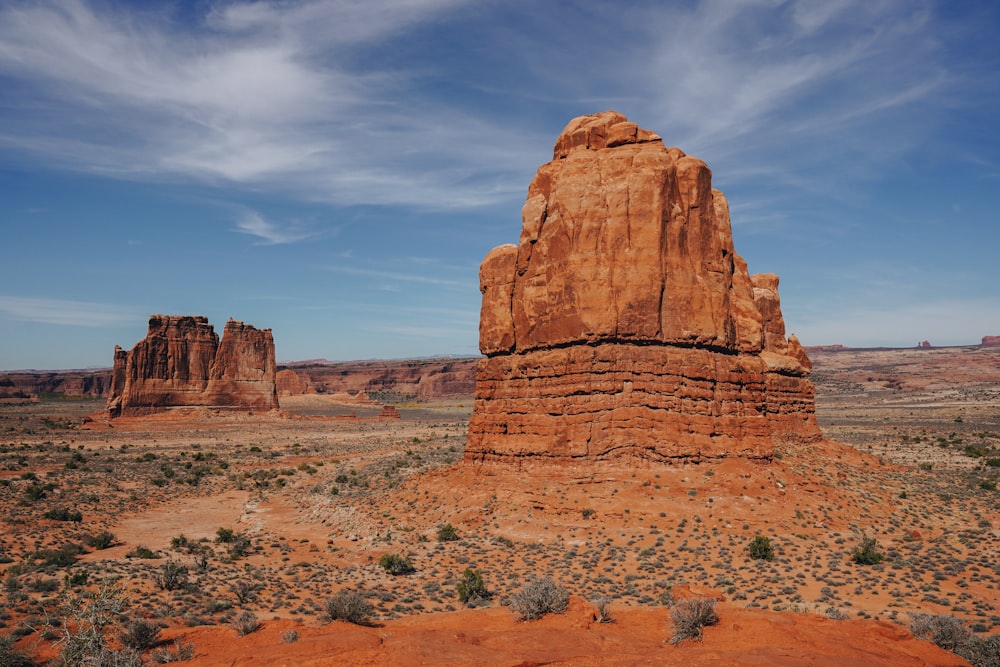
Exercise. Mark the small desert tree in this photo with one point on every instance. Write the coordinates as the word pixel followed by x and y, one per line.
pixel 866 552
pixel 472 588
pixel 760 548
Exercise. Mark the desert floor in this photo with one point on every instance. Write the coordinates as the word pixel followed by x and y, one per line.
pixel 274 513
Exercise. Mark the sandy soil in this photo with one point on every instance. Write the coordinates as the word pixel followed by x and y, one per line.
pixel 309 500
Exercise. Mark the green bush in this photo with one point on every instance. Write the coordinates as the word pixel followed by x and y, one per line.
pixel 538 598
pixel 447 533
pixel 866 553
pixel 64 514
pixel 348 606
pixel 395 564
pixel 101 540
pixel 472 588
pixel 760 548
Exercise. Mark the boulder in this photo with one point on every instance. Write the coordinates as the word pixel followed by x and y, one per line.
pixel 624 323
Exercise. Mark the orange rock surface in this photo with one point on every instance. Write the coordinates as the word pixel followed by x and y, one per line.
pixel 181 362
pixel 624 323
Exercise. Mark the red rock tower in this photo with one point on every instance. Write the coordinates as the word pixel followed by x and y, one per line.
pixel 181 362
pixel 624 324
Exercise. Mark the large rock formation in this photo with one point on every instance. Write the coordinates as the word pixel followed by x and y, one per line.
pixel 624 323
pixel 181 362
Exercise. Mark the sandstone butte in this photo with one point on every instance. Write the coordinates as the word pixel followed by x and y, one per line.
pixel 624 324
pixel 181 362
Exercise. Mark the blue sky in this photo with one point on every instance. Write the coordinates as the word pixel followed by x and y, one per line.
pixel 337 170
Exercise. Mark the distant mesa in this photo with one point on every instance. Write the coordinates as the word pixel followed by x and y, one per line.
pixel 181 362
pixel 290 383
pixel 924 345
pixel 624 324
pixel 810 349
pixel 991 341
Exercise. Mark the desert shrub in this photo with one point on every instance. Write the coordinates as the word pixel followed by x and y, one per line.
pixel 64 514
pixel 472 588
pixel 172 576
pixel 101 540
pixel 538 598
pixel 48 559
pixel 225 535
pixel 348 606
pixel 142 552
pixel 180 652
pixel 239 546
pixel 83 643
pixel 140 635
pixel 952 635
pixel 603 606
pixel 866 553
pixel 988 485
pixel 981 651
pixel 10 657
pixel 588 512
pixel 760 548
pixel 447 533
pixel 76 579
pixel 243 590
pixel 290 636
pixel 43 585
pixel 945 631
pixel 246 623
pixel 690 616
pixel 395 564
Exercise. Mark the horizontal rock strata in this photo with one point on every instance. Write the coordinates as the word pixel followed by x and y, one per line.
pixel 624 323
pixel 181 362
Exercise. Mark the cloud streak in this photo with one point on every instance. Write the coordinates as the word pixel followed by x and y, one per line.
pixel 64 312
pixel 254 224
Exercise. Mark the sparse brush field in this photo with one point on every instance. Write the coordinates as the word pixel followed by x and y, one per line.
pixel 221 518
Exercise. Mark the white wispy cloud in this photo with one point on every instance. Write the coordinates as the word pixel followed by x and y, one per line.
pixel 256 93
pixel 65 312
pixel 252 223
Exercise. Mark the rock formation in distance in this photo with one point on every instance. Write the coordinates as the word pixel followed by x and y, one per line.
pixel 624 324
pixel 181 362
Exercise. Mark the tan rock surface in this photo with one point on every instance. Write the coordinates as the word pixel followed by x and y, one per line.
pixel 624 323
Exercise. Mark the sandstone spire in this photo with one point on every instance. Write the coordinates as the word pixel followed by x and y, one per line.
pixel 624 323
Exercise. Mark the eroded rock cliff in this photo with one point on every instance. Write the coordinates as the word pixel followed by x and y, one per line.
pixel 181 362
pixel 624 323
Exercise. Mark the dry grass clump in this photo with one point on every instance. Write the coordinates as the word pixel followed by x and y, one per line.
pixel 690 616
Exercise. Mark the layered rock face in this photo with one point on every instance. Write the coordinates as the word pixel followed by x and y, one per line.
pixel 624 324
pixel 181 362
